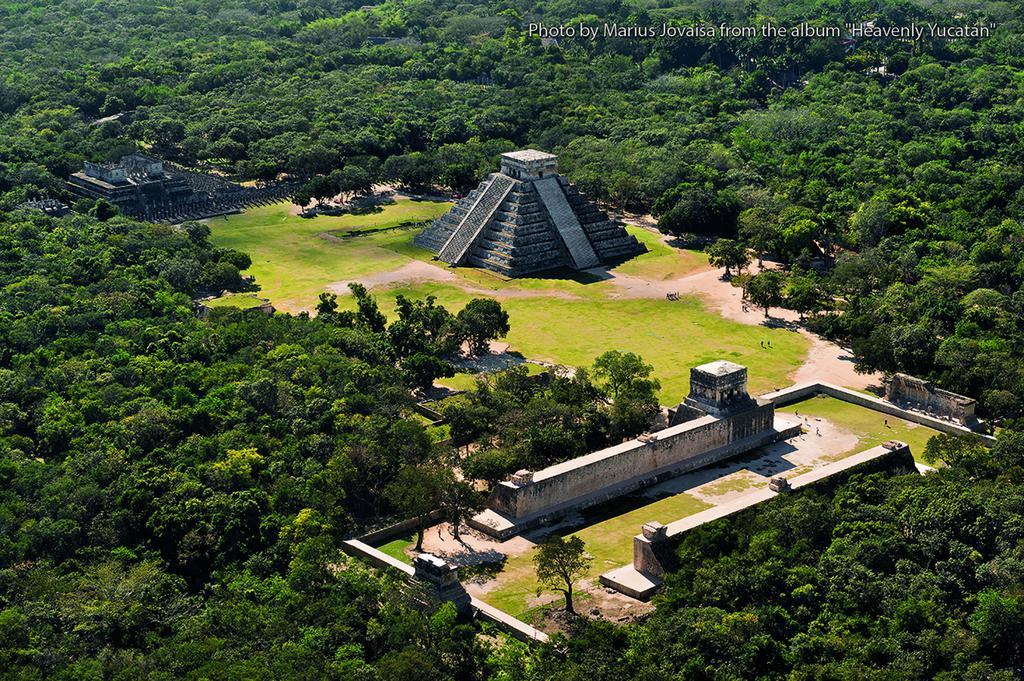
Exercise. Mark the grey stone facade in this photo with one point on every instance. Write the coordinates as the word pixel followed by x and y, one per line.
pixel 527 218
pixel 918 394
pixel 719 388
pixel 529 499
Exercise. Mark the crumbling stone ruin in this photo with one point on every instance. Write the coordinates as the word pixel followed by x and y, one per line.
pixel 527 218
pixel 917 394
pixel 148 188
pixel 51 207
pixel 435 580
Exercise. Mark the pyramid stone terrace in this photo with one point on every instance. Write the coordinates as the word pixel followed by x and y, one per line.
pixel 528 218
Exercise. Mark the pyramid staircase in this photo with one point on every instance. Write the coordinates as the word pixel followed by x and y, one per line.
pixel 565 221
pixel 516 225
pixel 454 249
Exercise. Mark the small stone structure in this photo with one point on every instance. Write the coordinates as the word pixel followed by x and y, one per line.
pixel 716 388
pixel 915 393
pixel 51 207
pixel 527 218
pixel 435 580
pixel 738 424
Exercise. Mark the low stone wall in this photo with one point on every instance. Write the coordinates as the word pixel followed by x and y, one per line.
pixel 802 391
pixel 510 625
pixel 620 469
pixel 654 548
pixel 384 534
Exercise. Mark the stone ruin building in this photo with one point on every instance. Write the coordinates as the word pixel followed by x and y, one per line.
pixel 917 394
pixel 148 188
pixel 132 184
pixel 52 207
pixel 527 218
pixel 717 388
pixel 717 421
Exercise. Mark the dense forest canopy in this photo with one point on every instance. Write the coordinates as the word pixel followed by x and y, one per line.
pixel 173 490
pixel 899 162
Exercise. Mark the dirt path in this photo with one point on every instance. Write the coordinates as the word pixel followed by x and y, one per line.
pixel 419 271
pixel 825 360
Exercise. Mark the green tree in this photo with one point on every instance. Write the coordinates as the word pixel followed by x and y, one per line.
pixel 625 373
pixel 481 321
pixel 765 289
pixel 415 493
pixel 728 253
pixel 804 294
pixel 560 563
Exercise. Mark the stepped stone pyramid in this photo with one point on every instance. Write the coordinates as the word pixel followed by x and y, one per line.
pixel 527 218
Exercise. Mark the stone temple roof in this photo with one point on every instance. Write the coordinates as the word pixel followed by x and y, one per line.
pixel 527 155
pixel 720 367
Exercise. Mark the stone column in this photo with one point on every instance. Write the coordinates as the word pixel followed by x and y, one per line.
pixel 439 581
pixel 645 545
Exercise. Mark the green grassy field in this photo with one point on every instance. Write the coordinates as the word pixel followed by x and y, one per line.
pixel 567 319
pixel 294 258
pixel 870 426
pixel 396 548
pixel 240 301
pixel 672 336
pixel 609 541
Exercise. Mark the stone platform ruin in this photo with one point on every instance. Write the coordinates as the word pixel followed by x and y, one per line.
pixel 738 424
pixel 920 395
pixel 527 218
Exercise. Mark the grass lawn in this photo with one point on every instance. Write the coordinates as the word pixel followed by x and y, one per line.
pixel 293 262
pixel 867 424
pixel 240 301
pixel 566 318
pixel 661 262
pixel 396 548
pixel 609 541
pixel 460 381
pixel 672 336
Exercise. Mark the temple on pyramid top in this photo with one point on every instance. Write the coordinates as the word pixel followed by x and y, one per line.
pixel 527 218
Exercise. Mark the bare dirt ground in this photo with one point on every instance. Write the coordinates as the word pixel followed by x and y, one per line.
pixel 412 272
pixel 419 271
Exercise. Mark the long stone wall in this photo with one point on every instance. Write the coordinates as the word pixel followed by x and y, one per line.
pixel 591 479
pixel 802 391
pixel 656 543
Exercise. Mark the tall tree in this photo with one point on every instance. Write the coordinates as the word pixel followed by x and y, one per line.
pixel 728 253
pixel 560 563
pixel 481 321
pixel 765 289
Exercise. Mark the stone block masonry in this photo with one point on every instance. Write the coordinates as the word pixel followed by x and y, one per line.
pixel 916 393
pixel 530 499
pixel 527 218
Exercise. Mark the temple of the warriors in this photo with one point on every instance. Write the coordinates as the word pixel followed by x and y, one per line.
pixel 527 218
pixel 145 187
pixel 131 184
pixel 718 420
